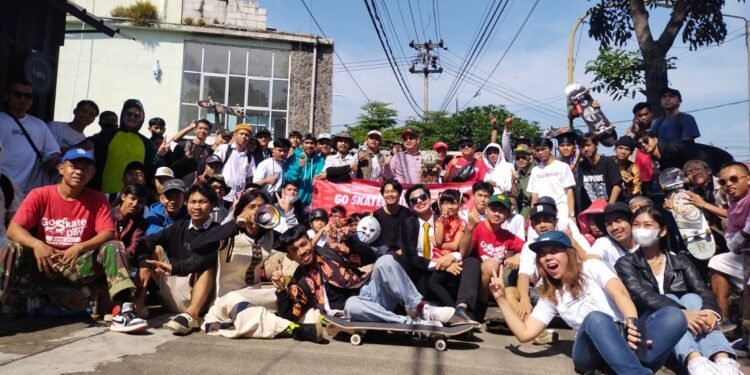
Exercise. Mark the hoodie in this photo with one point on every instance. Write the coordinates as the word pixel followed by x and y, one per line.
pixel 500 173
pixel 114 149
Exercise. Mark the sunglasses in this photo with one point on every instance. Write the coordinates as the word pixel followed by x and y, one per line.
pixel 374 136
pixel 466 145
pixel 25 95
pixel 409 137
pixel 419 198
pixel 734 180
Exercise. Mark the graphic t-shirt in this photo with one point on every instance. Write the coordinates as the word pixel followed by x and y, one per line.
pixel 61 223
pixel 494 245
pixel 596 181
pixel 451 227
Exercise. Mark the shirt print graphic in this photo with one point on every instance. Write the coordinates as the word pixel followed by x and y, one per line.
pixel 595 186
pixel 62 233
pixel 490 251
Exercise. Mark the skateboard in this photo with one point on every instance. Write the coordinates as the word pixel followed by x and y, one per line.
pixel 429 161
pixel 693 225
pixel 581 101
pixel 357 330
pixel 220 112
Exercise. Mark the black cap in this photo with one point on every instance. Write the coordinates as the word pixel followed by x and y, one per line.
pixel 465 140
pixel 319 213
pixel 546 200
pixel 543 209
pixel 619 208
pixel 134 166
pixel 669 90
pixel 566 137
pixel 262 131
pixel 626 141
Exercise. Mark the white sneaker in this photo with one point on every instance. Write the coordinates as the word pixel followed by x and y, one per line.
pixel 702 366
pixel 183 324
pixel 727 366
pixel 127 320
pixel 437 313
pixel 422 322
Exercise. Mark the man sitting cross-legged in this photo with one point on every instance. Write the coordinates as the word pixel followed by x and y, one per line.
pixel 330 281
pixel 67 228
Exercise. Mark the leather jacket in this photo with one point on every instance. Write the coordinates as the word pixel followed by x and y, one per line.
pixel 680 277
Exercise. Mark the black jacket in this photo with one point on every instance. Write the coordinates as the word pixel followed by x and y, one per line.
pixel 680 277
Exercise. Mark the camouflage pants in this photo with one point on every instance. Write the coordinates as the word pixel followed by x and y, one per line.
pixel 110 259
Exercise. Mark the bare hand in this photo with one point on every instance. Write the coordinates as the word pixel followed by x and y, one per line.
pixel 283 203
pixel 634 337
pixel 513 262
pixel 277 278
pixel 696 322
pixel 710 318
pixel 44 256
pixel 493 122
pixel 71 254
pixel 444 262
pixel 161 268
pixel 455 269
pixel 508 123
pixel 496 284
pixel 595 104
pixel 474 218
pixel 696 200
pixel 524 308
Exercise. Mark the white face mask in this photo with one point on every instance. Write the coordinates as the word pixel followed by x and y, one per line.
pixel 645 236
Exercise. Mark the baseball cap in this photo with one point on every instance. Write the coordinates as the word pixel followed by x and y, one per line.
pixel 218 178
pixel 375 132
pixel 626 141
pixel 263 131
pixel 465 141
pixel 439 145
pixel 134 165
pixel 521 149
pixel 547 201
pixel 324 136
pixel 542 209
pixel 174 184
pixel 213 158
pixel 568 137
pixel 501 199
pixel 409 132
pixel 77 153
pixel 551 238
pixel 669 90
pixel 164 172
pixel 244 127
pixel 619 208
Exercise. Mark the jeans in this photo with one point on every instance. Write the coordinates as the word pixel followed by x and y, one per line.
pixel 388 285
pixel 599 344
pixel 468 285
pixel 707 344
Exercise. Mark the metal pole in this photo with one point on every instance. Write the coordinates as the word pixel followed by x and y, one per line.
pixel 426 81
pixel 572 44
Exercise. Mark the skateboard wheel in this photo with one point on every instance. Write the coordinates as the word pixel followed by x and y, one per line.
pixel 441 345
pixel 356 339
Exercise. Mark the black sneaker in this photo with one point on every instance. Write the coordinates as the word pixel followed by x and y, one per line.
pixel 309 332
pixel 461 317
pixel 183 324
pixel 127 321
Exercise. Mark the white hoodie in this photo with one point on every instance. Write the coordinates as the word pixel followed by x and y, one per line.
pixel 501 174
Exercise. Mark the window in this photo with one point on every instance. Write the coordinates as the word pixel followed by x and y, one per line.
pixel 254 79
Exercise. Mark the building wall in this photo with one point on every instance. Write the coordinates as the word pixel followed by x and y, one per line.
pixel 240 13
pixel 111 70
pixel 169 10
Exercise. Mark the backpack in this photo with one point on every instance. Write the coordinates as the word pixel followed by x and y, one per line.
pixel 7 188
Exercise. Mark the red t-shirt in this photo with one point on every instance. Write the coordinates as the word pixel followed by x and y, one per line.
pixel 494 245
pixel 450 229
pixel 61 223
pixel 479 169
pixel 643 161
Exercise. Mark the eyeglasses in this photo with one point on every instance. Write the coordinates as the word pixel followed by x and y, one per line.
pixel 133 114
pixel 419 198
pixel 25 95
pixel 734 180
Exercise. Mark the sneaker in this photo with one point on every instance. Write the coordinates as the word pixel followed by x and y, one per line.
pixel 728 366
pixel 422 322
pixel 309 332
pixel 740 347
pixel 437 313
pixel 183 324
pixel 702 366
pixel 547 336
pixel 126 320
pixel 463 317
pixel 726 326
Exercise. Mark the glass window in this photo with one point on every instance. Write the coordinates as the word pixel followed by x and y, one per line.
pixel 237 61
pixel 281 64
pixel 193 56
pixel 188 113
pixel 215 59
pixel 279 124
pixel 214 87
pixel 259 64
pixel 257 93
pixel 191 87
pixel 258 119
pixel 280 94
pixel 237 91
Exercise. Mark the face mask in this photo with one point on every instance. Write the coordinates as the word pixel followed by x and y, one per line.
pixel 645 236
pixel 291 198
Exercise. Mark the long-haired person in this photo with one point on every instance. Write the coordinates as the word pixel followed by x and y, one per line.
pixel 590 298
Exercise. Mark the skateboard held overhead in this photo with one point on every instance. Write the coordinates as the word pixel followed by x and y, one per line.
pixel 581 102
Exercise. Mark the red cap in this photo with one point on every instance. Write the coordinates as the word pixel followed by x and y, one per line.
pixel 409 132
pixel 439 145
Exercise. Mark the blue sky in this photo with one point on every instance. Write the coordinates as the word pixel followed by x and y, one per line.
pixel 534 71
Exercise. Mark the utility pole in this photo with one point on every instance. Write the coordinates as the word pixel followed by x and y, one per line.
pixel 429 64
pixel 747 47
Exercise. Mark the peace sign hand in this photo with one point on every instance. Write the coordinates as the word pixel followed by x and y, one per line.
pixel 496 283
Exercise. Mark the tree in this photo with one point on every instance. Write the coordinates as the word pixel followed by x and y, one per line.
pixel 375 116
pixel 612 25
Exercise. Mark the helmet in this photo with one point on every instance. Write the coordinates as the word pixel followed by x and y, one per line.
pixel 368 229
pixel 319 213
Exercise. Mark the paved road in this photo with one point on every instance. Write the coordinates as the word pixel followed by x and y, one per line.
pixel 65 346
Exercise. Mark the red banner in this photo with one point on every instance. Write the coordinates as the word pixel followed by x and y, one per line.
pixel 364 196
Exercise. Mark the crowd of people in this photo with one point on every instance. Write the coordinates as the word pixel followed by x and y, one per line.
pixel 124 220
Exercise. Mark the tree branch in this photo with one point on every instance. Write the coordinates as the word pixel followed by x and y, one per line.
pixel 639 15
pixel 680 12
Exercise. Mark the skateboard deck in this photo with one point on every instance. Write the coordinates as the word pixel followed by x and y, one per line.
pixel 582 102
pixel 357 330
pixel 690 220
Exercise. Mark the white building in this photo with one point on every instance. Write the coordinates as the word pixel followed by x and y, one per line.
pixel 234 59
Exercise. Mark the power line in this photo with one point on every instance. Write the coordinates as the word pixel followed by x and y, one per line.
pixel 698 109
pixel 436 18
pixel 335 51
pixel 414 23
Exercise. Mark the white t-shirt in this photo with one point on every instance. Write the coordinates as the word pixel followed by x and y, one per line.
pixel 65 136
pixel 528 258
pixel 20 162
pixel 516 224
pixel 593 297
pixel 322 241
pixel 266 169
pixel 551 181
pixel 236 170
pixel 610 250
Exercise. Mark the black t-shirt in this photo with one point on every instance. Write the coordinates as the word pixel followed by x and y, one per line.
pixel 676 154
pixel 596 181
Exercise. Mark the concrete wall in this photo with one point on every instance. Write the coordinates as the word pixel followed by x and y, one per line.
pixel 300 89
pixel 240 13
pixel 169 10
